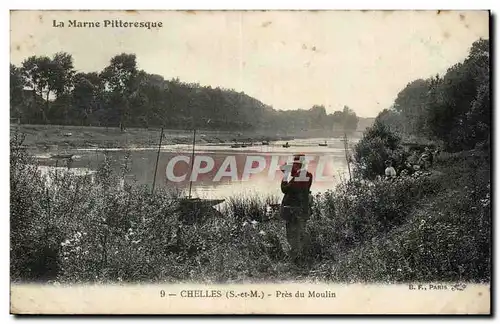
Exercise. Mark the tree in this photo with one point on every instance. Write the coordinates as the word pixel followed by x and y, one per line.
pixel 410 104
pixel 120 82
pixel 36 74
pixel 391 119
pixel 378 144
pixel 86 97
pixel 16 91
pixel 60 83
pixel 345 120
pixel 61 74
pixel 454 108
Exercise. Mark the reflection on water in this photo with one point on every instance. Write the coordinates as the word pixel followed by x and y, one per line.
pixel 327 164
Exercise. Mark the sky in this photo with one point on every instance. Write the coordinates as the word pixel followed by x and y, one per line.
pixel 286 59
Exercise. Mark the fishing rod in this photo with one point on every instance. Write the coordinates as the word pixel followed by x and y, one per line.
pixel 346 148
pixel 192 163
pixel 157 158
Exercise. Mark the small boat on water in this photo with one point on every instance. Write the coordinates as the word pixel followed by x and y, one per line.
pixel 286 145
pixel 19 148
pixel 265 143
pixel 323 144
pixel 192 210
pixel 236 146
pixel 61 156
pixel 186 201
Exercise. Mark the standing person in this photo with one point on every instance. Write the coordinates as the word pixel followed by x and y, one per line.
pixel 295 209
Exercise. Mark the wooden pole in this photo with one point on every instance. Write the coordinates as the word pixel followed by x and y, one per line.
pixel 192 163
pixel 157 158
pixel 346 156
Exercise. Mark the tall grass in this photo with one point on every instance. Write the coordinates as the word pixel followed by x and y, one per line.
pixel 416 227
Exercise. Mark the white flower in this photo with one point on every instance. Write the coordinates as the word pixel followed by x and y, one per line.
pixel 262 233
pixel 245 223
pixel 254 222
pixel 136 242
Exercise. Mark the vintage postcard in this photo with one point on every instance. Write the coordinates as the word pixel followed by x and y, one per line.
pixel 250 162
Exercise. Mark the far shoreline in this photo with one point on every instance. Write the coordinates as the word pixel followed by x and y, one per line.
pixel 55 137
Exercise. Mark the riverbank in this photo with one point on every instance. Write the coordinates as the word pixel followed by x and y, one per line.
pixel 87 137
pixel 69 137
pixel 432 227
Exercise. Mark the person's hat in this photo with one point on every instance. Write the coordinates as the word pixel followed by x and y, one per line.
pixel 299 157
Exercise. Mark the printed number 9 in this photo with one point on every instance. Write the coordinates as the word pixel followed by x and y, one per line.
pixel 162 293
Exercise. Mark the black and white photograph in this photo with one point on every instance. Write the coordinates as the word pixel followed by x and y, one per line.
pixel 240 152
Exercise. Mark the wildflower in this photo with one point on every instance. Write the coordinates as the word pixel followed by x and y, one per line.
pixel 245 223
pixel 262 233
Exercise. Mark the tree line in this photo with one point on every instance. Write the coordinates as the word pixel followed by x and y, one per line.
pixel 49 90
pixel 454 108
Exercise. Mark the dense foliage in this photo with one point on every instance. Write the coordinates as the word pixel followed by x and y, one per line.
pixel 414 228
pixel 48 90
pixel 454 108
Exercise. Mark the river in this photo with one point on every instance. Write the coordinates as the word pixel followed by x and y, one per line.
pixel 327 164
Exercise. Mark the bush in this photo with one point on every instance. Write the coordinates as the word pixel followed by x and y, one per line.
pixel 447 243
pixel 76 230
pixel 370 153
pixel 364 209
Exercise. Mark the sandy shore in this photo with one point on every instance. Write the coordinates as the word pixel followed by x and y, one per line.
pixel 46 136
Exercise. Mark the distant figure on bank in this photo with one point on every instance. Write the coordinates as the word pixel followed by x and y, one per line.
pixel 295 206
pixel 426 159
pixel 390 172
pixel 414 161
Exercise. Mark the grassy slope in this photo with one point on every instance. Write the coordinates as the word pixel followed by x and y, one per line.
pixel 445 236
